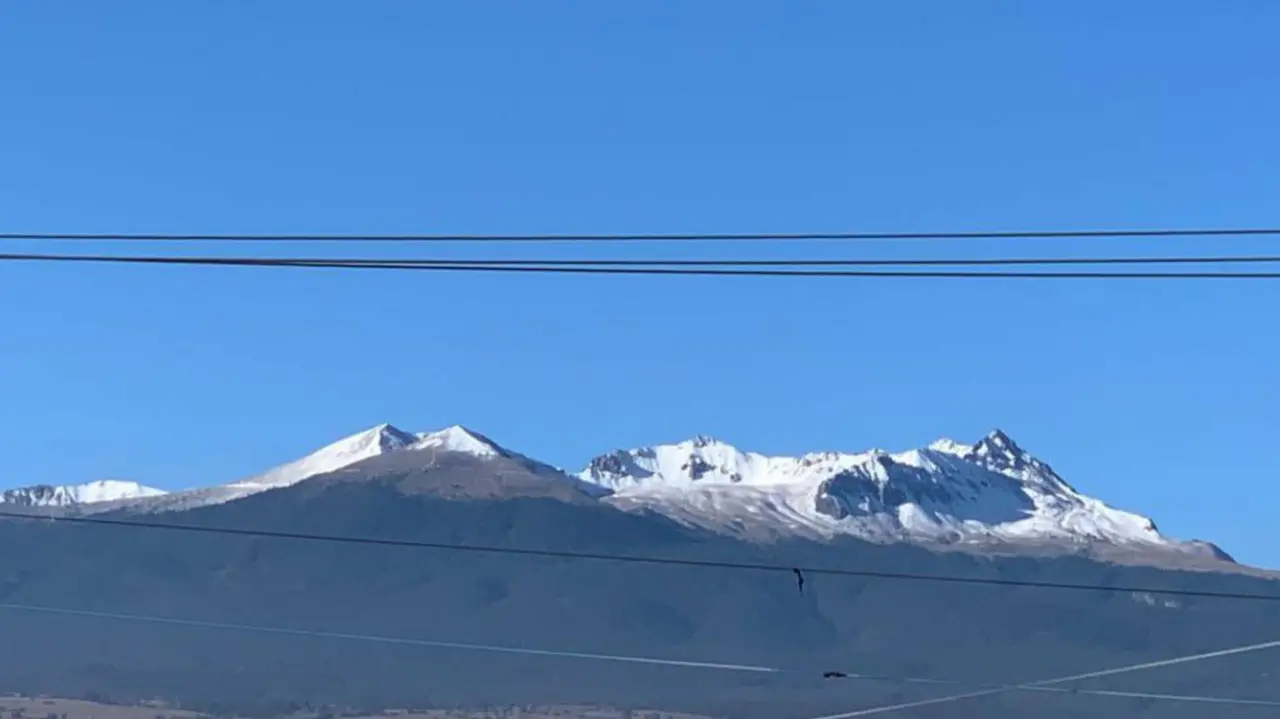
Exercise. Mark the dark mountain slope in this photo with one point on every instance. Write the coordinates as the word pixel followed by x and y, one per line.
pixel 857 625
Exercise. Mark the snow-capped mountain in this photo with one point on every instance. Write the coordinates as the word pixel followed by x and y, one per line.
pixel 346 451
pixel 987 493
pixel 422 449
pixel 106 490
pixel 373 442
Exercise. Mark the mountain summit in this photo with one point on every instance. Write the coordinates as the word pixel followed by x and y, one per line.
pixel 372 442
pixel 459 439
pixel 382 451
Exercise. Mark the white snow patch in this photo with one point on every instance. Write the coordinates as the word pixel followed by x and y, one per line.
pixel 458 439
pixel 97 492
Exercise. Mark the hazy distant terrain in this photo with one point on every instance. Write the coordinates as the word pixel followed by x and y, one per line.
pixel 871 626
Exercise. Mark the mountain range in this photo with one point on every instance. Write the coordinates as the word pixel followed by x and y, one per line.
pixel 251 625
pixel 988 496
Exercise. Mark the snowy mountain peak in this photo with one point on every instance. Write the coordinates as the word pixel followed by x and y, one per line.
pixel 105 490
pixel 387 437
pixel 998 437
pixel 998 444
pixel 459 439
pixel 372 442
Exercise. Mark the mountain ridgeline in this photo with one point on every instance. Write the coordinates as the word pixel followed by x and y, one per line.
pixel 183 615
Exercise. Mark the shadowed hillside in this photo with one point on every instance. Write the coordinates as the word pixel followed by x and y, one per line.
pixel 884 627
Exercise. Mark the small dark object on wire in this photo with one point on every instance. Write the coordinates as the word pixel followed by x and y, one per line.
pixel 633 559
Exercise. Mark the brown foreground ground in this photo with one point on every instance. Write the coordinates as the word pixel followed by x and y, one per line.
pixel 17 707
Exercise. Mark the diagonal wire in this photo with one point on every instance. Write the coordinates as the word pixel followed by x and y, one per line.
pixel 596 656
pixel 438 644
pixel 1058 681
pixel 1115 693
pixel 594 270
pixel 853 262
pixel 631 558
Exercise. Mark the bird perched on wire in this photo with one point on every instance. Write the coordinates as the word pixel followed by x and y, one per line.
pixel 799 581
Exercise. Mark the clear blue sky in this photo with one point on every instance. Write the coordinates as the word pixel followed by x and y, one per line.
pixel 382 116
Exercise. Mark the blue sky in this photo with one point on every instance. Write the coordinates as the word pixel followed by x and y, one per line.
pixel 385 117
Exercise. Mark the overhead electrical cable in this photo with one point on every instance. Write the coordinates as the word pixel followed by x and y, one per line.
pixel 579 262
pixel 646 237
pixel 437 644
pixel 1059 681
pixel 550 267
pixel 788 569
pixel 631 659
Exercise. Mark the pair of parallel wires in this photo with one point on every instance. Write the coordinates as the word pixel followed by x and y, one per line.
pixel 1110 267
pixel 1202 267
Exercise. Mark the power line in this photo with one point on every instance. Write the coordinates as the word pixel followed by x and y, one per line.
pixel 623 658
pixel 638 559
pixel 543 262
pixel 1053 689
pixel 649 237
pixel 1058 681
pixel 906 262
pixel 550 268
pixel 382 639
